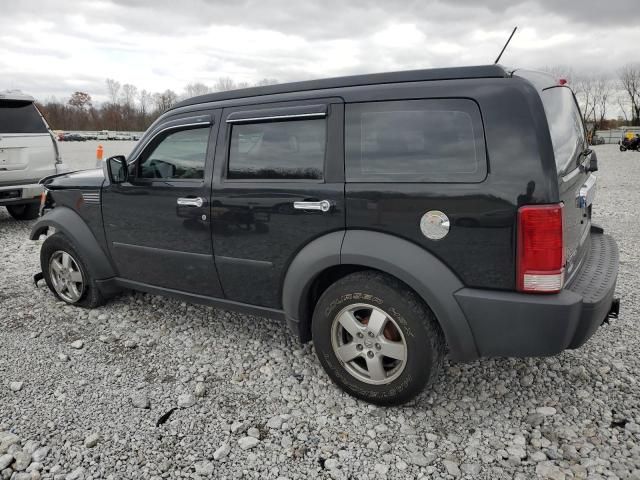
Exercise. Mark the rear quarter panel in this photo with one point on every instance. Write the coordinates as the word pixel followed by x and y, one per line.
pixel 480 246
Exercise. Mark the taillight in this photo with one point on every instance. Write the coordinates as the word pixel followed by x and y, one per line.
pixel 540 254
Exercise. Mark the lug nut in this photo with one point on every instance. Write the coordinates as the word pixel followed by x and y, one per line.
pixel 371 334
pixel 378 346
pixel 359 347
pixel 370 354
pixel 360 335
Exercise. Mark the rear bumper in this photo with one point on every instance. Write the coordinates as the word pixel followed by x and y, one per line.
pixel 19 194
pixel 522 325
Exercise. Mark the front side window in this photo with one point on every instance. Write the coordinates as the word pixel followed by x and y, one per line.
pixel 20 117
pixel 177 155
pixel 284 150
pixel 414 141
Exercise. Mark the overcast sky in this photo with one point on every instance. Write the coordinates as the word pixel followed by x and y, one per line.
pixel 55 47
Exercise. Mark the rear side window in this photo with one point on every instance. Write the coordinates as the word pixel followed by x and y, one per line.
pixel 20 117
pixel 282 150
pixel 415 141
pixel 565 125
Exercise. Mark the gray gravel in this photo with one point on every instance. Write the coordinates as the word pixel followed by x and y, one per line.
pixel 256 404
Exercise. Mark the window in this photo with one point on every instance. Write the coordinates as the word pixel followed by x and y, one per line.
pixel 178 155
pixel 414 141
pixel 20 117
pixel 565 125
pixel 278 150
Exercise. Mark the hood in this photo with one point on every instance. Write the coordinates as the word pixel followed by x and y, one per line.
pixel 82 179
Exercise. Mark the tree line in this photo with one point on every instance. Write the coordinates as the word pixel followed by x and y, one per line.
pixel 128 108
pixel 131 109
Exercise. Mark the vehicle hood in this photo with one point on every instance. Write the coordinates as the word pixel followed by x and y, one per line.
pixel 84 179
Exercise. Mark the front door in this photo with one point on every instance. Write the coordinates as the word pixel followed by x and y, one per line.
pixel 278 185
pixel 157 223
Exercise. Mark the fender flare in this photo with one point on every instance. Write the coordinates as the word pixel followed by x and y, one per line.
pixel 428 276
pixel 65 220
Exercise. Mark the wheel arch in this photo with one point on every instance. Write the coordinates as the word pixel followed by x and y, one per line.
pixel 329 258
pixel 65 220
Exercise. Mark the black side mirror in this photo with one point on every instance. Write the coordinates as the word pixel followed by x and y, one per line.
pixel 593 162
pixel 117 169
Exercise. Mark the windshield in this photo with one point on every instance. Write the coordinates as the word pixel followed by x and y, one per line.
pixel 20 117
pixel 565 125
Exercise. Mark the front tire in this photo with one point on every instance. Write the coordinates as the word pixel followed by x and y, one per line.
pixel 622 148
pixel 376 339
pixel 66 273
pixel 26 211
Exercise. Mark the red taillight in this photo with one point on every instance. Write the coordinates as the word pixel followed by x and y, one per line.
pixel 540 255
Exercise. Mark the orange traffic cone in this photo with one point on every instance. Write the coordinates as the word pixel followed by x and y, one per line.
pixel 99 153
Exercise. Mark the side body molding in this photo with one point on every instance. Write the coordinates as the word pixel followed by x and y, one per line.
pixel 420 270
pixel 65 220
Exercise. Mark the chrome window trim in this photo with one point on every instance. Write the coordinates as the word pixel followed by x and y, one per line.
pixel 277 117
pixel 162 130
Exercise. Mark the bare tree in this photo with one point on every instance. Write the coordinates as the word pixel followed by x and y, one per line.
pixel 113 88
pixel 603 91
pixel 195 89
pixel 144 99
pixel 223 84
pixel 165 100
pixel 630 81
pixel 266 81
pixel 80 100
pixel 129 94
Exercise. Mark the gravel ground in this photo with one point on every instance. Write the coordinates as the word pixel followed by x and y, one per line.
pixel 83 394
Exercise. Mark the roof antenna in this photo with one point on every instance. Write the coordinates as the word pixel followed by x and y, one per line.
pixel 505 45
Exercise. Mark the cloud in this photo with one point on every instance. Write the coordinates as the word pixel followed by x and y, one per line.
pixel 48 47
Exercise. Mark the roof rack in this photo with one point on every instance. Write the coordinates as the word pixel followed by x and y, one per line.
pixel 450 73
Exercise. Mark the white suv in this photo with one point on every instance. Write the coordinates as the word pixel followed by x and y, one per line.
pixel 28 152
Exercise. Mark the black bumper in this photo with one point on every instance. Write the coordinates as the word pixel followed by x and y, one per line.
pixel 522 325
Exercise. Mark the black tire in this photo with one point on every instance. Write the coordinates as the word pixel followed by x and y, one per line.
pixel 622 149
pixel 26 211
pixel 419 329
pixel 91 296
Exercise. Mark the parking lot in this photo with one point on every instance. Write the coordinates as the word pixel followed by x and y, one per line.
pixel 149 387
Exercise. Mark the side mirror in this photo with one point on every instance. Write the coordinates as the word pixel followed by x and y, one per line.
pixel 593 162
pixel 117 169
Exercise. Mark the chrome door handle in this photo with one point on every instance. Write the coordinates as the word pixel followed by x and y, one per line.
pixel 322 205
pixel 191 202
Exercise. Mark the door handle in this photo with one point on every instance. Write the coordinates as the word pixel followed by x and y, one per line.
pixel 190 202
pixel 322 205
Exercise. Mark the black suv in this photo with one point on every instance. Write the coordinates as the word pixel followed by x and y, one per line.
pixel 386 217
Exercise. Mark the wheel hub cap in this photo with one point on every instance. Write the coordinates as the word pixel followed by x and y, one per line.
pixel 66 276
pixel 369 344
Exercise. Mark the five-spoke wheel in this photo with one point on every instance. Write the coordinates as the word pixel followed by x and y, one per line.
pixel 369 343
pixel 66 276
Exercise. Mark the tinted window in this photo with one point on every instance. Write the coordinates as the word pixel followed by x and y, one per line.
pixel 178 155
pixel 414 141
pixel 278 150
pixel 565 125
pixel 20 117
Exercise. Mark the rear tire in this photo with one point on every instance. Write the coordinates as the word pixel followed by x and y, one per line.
pixel 26 211
pixel 66 273
pixel 376 338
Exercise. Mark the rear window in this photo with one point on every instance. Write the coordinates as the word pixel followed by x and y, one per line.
pixel 20 117
pixel 565 125
pixel 415 141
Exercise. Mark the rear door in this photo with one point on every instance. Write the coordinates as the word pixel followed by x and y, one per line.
pixel 27 151
pixel 576 185
pixel 278 185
